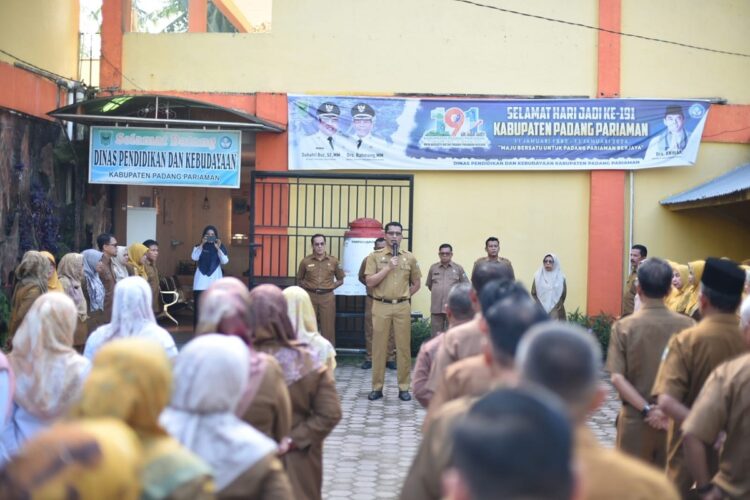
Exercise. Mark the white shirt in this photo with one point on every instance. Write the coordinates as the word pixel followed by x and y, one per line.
pixel 201 281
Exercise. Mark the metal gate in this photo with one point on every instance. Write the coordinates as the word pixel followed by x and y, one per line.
pixel 287 208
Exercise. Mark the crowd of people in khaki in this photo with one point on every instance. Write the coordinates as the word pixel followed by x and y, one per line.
pixel 113 410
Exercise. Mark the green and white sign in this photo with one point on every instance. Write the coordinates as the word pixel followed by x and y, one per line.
pixel 165 157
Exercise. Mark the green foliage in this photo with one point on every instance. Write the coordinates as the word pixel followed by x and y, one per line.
pixel 420 333
pixel 4 317
pixel 599 326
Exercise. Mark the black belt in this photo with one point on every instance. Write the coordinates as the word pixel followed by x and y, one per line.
pixel 319 291
pixel 389 301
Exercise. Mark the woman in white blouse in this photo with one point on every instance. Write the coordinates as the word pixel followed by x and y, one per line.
pixel 210 255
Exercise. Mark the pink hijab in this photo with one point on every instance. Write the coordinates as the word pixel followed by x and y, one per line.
pixel 273 333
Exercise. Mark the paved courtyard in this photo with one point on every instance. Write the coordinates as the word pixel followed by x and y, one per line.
pixel 373 445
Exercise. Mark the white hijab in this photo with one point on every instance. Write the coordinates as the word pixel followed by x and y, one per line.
pixel 132 316
pixel 549 284
pixel 210 375
pixel 118 264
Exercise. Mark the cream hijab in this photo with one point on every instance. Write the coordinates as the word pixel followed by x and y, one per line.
pixel 549 284
pixel 49 372
pixel 302 316
pixel 118 264
pixel 209 378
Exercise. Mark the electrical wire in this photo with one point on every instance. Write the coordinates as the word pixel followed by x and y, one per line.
pixel 603 30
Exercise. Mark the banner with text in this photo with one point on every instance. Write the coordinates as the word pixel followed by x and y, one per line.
pixel 328 133
pixel 165 157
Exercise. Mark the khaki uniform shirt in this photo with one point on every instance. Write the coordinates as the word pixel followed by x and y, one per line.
pixel 607 473
pixel 440 280
pixel 688 360
pixel 423 481
pixel 362 277
pixel 692 355
pixel 637 343
pixel 397 282
pixel 108 280
pixel 487 259
pixel 724 405
pixel 470 376
pixel 458 342
pixel 314 274
pixel 266 478
pixel 628 294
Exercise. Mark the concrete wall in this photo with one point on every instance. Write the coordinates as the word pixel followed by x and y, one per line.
pixel 42 32
pixel 660 70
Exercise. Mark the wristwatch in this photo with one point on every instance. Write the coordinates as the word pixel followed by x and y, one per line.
pixel 645 411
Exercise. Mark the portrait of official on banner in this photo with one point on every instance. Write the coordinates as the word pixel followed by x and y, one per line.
pixel 329 133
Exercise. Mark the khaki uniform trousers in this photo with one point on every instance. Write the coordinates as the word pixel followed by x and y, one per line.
pixel 636 438
pixel 438 323
pixel 384 317
pixel 368 334
pixel 324 305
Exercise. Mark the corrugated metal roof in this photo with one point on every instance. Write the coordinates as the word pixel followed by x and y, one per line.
pixel 732 182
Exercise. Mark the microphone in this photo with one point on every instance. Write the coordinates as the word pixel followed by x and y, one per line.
pixel 395 249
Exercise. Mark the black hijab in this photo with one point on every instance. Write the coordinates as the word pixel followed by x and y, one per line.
pixel 209 259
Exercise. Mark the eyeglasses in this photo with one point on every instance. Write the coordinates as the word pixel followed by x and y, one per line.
pixel 445 253
pixel 393 233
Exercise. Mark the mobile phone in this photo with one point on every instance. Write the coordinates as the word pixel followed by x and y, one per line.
pixel 211 239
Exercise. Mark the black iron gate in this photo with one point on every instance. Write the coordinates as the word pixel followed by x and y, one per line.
pixel 287 208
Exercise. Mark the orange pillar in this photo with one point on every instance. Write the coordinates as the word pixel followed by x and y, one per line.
pixel 607 196
pixel 197 16
pixel 272 202
pixel 113 22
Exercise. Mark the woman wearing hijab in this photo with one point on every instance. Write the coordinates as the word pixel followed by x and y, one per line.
pixel 137 259
pixel 53 282
pixel 680 277
pixel 132 316
pixel 692 305
pixel 265 404
pixel 302 316
pixel 210 377
pixel 549 288
pixel 85 460
pixel 71 276
pixel 93 289
pixel 120 264
pixel 315 403
pixel 131 380
pixel 31 282
pixel 210 254
pixel 49 373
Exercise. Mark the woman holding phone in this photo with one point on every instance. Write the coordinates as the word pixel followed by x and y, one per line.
pixel 210 255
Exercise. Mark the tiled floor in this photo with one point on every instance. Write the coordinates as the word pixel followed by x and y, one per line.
pixel 375 442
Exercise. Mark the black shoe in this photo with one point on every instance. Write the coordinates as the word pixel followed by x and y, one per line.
pixel 366 365
pixel 404 396
pixel 378 394
pixel 391 365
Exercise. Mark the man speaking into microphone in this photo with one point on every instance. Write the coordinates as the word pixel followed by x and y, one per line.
pixel 394 276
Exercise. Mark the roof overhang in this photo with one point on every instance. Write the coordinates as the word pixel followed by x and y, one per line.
pixel 160 111
pixel 729 188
